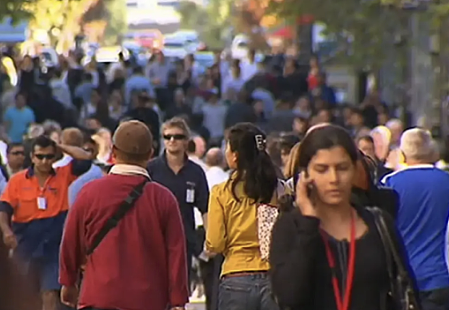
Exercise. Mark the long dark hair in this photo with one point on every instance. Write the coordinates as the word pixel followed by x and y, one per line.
pixel 324 138
pixel 254 165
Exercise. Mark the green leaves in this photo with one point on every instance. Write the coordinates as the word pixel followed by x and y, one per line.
pixel 15 9
pixel 116 21
pixel 362 28
pixel 211 21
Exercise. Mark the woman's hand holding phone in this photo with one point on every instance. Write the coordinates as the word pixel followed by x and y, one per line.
pixel 303 193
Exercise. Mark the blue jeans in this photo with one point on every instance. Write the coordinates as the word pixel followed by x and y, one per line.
pixel 248 292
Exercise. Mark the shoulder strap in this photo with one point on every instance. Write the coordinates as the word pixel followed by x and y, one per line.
pixel 122 210
pixel 385 235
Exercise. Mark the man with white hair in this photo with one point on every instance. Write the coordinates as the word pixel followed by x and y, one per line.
pixel 422 216
pixel 396 128
pixel 215 173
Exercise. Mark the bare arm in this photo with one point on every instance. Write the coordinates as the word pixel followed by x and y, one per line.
pixel 5 223
pixel 75 152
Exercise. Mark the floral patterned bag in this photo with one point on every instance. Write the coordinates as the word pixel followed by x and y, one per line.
pixel 266 217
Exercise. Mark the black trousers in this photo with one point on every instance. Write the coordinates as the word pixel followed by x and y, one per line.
pixel 207 271
pixel 218 262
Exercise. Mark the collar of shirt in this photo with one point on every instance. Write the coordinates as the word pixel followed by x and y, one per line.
pixel 421 166
pixel 9 171
pixel 164 157
pixel 30 172
pixel 123 169
pixel 65 160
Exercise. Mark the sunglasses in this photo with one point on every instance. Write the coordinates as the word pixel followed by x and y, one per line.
pixel 18 153
pixel 175 137
pixel 44 156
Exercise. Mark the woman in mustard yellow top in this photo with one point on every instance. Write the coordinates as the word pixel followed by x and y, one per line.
pixel 232 219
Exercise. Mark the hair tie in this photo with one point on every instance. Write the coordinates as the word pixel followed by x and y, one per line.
pixel 261 142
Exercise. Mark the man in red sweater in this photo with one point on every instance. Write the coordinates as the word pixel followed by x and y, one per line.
pixel 140 263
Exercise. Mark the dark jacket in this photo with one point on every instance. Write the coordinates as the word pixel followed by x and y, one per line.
pixel 301 276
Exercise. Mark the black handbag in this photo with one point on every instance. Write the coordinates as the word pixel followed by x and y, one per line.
pixel 402 292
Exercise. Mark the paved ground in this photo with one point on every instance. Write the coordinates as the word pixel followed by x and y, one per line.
pixel 196 306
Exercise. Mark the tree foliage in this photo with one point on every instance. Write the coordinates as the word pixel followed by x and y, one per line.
pixel 362 28
pixel 210 21
pixel 15 9
pixel 60 19
pixel 117 23
pixel 105 21
pixel 221 19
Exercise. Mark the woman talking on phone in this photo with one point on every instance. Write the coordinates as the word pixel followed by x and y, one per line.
pixel 232 218
pixel 326 254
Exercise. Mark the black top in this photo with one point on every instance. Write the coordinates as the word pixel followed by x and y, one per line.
pixel 301 276
pixel 147 116
pixel 190 177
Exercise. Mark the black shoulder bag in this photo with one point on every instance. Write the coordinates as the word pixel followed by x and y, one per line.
pixel 402 289
pixel 122 210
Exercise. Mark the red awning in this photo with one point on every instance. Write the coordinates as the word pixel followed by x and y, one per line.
pixel 284 32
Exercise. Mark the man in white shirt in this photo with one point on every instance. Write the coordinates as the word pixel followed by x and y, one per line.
pixel 73 137
pixel 215 173
pixel 249 67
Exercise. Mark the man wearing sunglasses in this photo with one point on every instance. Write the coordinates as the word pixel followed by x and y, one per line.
pixel 15 153
pixel 38 199
pixel 184 178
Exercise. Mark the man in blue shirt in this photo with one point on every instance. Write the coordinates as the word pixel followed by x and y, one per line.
pixel 96 171
pixel 422 216
pixel 17 119
pixel 138 82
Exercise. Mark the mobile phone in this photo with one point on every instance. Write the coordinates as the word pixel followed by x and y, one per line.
pixel 310 186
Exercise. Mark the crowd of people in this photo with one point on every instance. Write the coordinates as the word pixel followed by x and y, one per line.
pixel 136 188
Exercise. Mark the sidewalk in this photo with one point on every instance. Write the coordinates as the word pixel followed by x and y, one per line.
pixel 196 304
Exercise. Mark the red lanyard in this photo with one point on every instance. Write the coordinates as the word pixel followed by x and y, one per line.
pixel 342 305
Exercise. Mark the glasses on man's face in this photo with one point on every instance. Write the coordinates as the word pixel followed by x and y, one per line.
pixel 44 156
pixel 175 137
pixel 18 153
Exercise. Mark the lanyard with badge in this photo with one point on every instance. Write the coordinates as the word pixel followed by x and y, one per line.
pixel 41 201
pixel 190 192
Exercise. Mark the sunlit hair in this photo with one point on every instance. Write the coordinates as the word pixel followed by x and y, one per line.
pixel 317 126
pixel 394 124
pixel 382 139
pixel 292 166
pixel 177 122
pixel 417 144
pixel 254 166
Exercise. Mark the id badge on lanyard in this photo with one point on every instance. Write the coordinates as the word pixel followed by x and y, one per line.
pixel 190 192
pixel 41 203
pixel 41 200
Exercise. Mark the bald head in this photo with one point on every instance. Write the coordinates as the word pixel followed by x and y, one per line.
pixel 72 136
pixel 214 157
